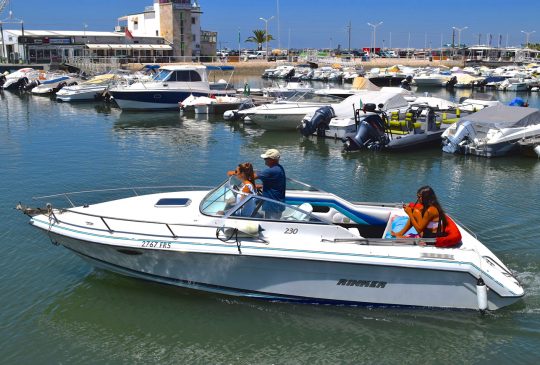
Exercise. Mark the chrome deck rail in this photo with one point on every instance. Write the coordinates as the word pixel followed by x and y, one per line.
pixel 384 241
pixel 134 190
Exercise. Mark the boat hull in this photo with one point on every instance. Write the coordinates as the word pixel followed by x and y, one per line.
pixel 81 94
pixel 293 279
pixel 277 121
pixel 147 99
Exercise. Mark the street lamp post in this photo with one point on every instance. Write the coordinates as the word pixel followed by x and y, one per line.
pixel 459 35
pixel 266 33
pixel 374 34
pixel 527 34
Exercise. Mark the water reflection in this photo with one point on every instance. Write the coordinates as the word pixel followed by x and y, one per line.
pixel 151 321
pixel 137 120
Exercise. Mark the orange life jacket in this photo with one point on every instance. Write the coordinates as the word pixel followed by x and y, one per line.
pixel 450 236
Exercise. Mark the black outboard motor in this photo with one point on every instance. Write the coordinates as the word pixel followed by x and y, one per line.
pixel 232 115
pixel 21 83
pixel 406 83
pixel 31 85
pixel 319 122
pixel 290 74
pixel 370 135
pixel 2 79
pixel 452 82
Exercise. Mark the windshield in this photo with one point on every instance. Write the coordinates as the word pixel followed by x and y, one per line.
pixel 227 200
pixel 162 75
pixel 313 97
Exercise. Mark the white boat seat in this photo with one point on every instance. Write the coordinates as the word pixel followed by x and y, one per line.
pixel 298 215
pixel 341 218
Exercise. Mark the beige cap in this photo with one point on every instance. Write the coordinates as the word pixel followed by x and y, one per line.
pixel 271 153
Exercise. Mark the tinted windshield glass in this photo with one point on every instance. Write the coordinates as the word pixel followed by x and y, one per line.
pixel 185 75
pixel 162 75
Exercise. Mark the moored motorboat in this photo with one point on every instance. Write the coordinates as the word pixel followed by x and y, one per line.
pixel 375 131
pixel 87 90
pixel 170 85
pixel 322 249
pixel 52 83
pixel 288 113
pixel 492 131
pixel 211 105
pixel 19 79
pixel 336 121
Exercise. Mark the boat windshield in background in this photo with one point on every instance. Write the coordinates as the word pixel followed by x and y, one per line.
pixel 313 97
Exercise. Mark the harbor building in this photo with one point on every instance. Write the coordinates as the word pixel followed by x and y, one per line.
pixel 47 46
pixel 178 22
pixel 166 31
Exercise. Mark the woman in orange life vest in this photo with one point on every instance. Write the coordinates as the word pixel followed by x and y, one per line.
pixel 426 216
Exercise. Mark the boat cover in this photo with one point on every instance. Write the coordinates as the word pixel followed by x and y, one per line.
pixel 503 116
pixel 391 100
pixel 361 83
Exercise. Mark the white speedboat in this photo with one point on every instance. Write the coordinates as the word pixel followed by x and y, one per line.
pixel 431 79
pixel 19 79
pixel 87 90
pixel 286 91
pixel 493 131
pixel 513 84
pixel 170 85
pixel 477 102
pixel 323 249
pixel 287 114
pixel 52 83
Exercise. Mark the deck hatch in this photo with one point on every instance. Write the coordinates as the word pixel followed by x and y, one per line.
pixel 173 202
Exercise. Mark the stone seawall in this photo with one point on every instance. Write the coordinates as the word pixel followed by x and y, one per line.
pixel 255 67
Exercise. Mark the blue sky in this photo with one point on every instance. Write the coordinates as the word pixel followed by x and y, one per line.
pixel 314 23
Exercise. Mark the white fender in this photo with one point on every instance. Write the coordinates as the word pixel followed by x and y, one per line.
pixel 537 150
pixel 481 294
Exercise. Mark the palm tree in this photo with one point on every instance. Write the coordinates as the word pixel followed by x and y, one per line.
pixel 259 37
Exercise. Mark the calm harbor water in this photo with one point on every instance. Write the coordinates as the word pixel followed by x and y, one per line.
pixel 58 309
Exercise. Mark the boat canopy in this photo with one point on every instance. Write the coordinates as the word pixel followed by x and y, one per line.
pixel 361 83
pixel 219 68
pixel 504 116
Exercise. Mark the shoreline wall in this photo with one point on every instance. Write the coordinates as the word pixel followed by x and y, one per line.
pixel 255 67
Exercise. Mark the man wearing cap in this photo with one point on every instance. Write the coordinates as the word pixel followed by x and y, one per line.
pixel 274 183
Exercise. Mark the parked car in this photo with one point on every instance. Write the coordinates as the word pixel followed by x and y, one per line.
pixel 257 55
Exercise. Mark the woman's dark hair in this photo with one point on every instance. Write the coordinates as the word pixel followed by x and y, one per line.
pixel 430 199
pixel 246 168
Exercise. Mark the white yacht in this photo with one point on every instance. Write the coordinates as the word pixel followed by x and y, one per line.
pixel 322 249
pixel 171 85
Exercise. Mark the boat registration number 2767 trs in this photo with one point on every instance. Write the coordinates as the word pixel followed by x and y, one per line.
pixel 155 244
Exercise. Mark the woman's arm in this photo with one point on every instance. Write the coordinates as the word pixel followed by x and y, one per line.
pixel 420 221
